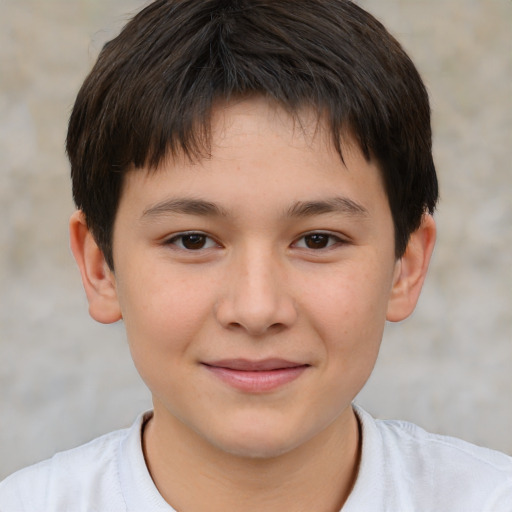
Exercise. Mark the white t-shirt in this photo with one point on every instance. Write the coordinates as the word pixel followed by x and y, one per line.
pixel 403 469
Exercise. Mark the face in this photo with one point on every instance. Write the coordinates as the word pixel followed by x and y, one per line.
pixel 254 285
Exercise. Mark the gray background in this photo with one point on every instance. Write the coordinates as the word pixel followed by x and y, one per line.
pixel 65 379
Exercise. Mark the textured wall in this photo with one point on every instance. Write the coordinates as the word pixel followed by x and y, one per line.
pixel 64 379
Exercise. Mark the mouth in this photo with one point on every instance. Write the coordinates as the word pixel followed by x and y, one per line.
pixel 256 376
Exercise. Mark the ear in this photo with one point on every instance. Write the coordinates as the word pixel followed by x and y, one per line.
pixel 98 279
pixel 410 271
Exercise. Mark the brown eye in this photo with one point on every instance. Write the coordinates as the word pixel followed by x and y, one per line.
pixel 317 241
pixel 192 241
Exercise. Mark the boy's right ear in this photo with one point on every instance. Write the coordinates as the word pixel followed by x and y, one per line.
pixel 98 279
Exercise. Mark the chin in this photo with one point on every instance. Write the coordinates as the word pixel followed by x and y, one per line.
pixel 252 449
pixel 266 442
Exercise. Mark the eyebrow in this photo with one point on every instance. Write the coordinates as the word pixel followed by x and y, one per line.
pixel 204 208
pixel 184 206
pixel 333 205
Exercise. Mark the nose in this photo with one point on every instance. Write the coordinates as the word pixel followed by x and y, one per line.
pixel 256 296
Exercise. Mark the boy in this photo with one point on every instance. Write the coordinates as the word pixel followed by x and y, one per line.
pixel 255 190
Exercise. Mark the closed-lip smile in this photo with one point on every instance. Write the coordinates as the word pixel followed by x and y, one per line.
pixel 256 376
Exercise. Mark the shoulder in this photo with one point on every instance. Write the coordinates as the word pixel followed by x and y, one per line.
pixel 86 474
pixel 433 471
pixel 413 443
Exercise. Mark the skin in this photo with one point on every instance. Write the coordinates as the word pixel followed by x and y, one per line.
pixel 291 258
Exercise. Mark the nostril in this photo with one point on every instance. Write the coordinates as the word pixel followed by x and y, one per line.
pixel 255 330
pixel 256 313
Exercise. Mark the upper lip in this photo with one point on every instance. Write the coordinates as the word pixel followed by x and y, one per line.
pixel 248 365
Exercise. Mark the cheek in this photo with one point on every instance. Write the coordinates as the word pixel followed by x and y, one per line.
pixel 351 324
pixel 162 324
pixel 348 312
pixel 348 301
pixel 162 314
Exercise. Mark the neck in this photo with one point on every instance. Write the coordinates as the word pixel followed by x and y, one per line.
pixel 192 475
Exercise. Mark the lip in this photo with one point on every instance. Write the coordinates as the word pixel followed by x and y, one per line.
pixel 256 376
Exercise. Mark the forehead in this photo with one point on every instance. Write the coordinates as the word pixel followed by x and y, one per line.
pixel 254 114
pixel 259 151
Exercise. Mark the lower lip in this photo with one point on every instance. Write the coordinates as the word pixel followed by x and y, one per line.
pixel 257 382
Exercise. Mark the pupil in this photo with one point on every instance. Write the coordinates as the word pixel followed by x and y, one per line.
pixel 193 241
pixel 317 241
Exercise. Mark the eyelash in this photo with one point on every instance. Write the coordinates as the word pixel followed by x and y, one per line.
pixel 332 240
pixel 181 236
pixel 206 242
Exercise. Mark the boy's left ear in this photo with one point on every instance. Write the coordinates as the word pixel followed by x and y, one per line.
pixel 410 271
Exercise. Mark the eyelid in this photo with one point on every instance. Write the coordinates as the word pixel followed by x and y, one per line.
pixel 337 239
pixel 171 240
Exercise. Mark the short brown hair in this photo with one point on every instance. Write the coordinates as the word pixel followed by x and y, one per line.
pixel 152 90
